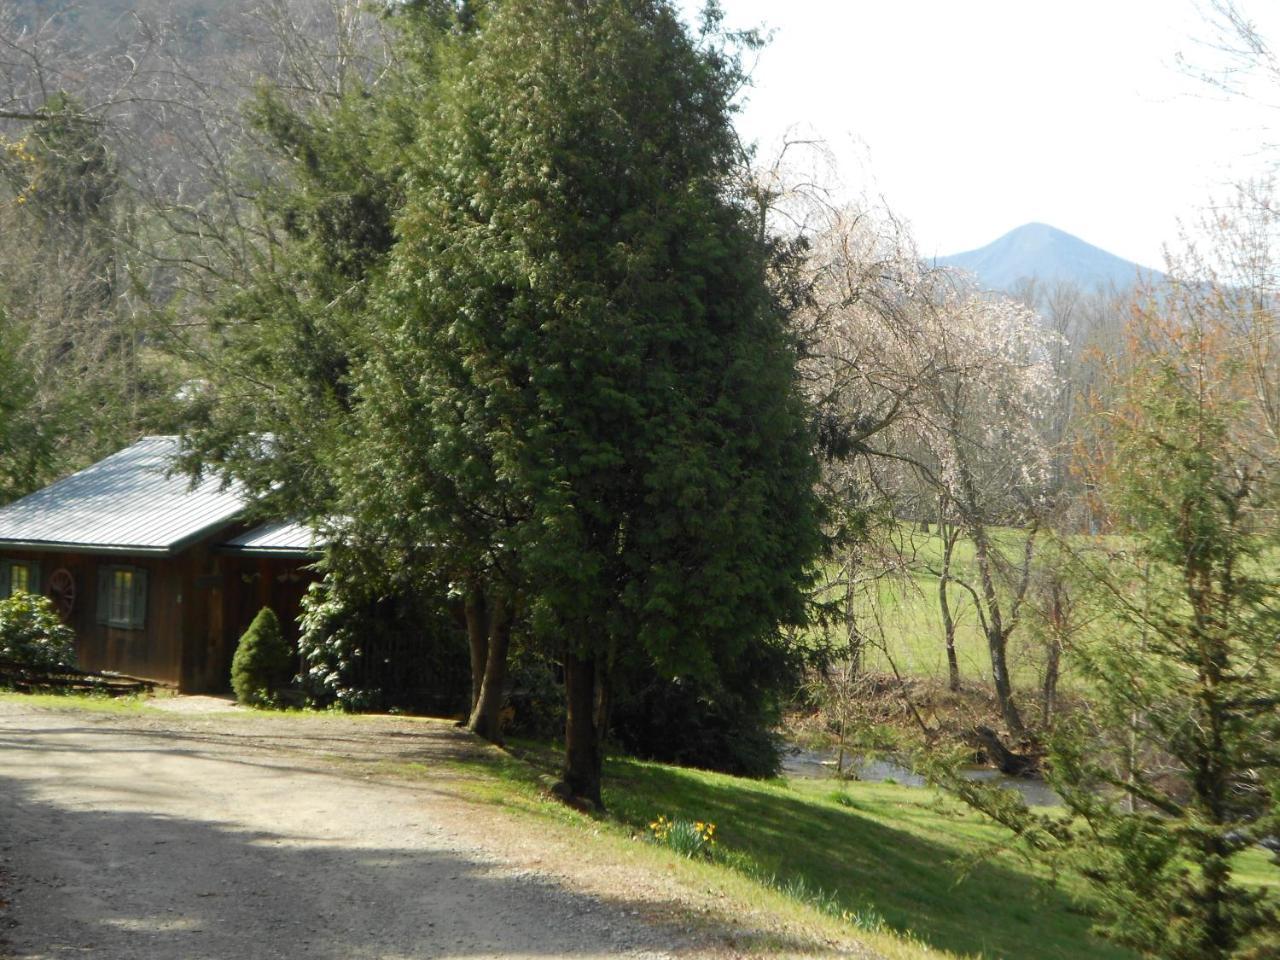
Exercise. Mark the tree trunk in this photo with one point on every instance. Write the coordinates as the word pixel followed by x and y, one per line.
pixel 583 757
pixel 852 637
pixel 1052 670
pixel 948 623
pixel 476 613
pixel 486 720
pixel 1008 762
pixel 997 639
pixel 840 753
pixel 1053 656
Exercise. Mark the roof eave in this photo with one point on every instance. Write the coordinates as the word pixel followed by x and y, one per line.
pixel 51 546
pixel 293 553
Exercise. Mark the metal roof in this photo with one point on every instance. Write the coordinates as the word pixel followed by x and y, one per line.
pixel 276 540
pixel 127 503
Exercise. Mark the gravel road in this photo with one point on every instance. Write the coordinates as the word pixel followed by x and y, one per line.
pixel 186 837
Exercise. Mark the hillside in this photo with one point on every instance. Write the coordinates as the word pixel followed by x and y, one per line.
pixel 1049 255
pixel 192 30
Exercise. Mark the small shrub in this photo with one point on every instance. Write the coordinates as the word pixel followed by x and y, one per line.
pixel 263 663
pixel 689 838
pixel 536 695
pixel 726 724
pixel 32 635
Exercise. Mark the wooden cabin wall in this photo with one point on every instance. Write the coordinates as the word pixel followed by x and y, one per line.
pixel 154 652
pixel 256 582
pixel 206 661
pixel 199 603
pixel 226 592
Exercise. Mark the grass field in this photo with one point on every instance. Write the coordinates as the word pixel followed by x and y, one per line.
pixel 905 622
pixel 905 855
pixel 908 856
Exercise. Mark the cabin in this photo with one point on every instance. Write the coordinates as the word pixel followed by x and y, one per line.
pixel 157 576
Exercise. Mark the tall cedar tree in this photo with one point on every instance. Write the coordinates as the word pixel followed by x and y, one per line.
pixel 1175 770
pixel 276 408
pixel 274 404
pixel 584 393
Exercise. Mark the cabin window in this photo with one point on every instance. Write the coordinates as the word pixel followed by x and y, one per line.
pixel 122 597
pixel 18 576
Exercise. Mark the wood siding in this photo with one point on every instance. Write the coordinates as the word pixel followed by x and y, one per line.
pixel 199 603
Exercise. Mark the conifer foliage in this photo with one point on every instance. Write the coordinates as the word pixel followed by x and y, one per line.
pixel 583 391
pixel 263 663
pixel 1193 678
pixel 1175 770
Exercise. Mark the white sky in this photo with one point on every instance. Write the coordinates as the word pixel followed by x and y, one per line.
pixel 971 117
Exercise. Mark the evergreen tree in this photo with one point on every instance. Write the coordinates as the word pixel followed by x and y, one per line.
pixel 25 451
pixel 274 398
pixel 272 407
pixel 263 663
pixel 584 394
pixel 1175 769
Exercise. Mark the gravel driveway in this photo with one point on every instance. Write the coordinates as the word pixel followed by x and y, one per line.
pixel 176 837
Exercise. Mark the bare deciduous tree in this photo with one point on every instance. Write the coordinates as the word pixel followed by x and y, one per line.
pixel 938 397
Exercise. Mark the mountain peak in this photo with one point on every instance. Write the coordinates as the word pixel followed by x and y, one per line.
pixel 1049 255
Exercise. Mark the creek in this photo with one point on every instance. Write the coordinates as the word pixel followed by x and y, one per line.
pixel 821 765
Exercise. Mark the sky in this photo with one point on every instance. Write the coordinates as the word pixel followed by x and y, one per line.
pixel 971 118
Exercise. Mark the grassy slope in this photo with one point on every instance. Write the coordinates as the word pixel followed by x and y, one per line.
pixel 932 869
pixel 905 854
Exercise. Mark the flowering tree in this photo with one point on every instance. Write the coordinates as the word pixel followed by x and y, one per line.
pixel 938 395
pixel 978 430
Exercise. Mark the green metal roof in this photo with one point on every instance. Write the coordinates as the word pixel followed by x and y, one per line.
pixel 128 503
pixel 276 540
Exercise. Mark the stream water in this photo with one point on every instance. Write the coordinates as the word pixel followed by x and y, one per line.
pixel 818 765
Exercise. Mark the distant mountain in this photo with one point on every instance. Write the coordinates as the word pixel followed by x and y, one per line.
pixel 1050 255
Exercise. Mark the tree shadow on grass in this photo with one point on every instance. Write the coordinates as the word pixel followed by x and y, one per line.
pixel 915 884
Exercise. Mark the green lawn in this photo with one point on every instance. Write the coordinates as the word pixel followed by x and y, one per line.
pixel 904 854
pixel 904 614
pixel 91 702
pixel 939 875
pixel 925 865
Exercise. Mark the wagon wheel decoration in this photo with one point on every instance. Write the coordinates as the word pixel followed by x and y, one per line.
pixel 61 589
